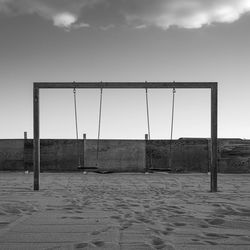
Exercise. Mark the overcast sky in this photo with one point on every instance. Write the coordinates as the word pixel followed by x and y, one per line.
pixel 117 40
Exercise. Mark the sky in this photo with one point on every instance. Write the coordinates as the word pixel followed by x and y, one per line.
pixel 117 40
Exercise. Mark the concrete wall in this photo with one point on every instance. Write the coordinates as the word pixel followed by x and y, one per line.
pixel 179 155
pixel 56 154
pixel 234 156
pixel 12 154
pixel 127 155
pixel 116 155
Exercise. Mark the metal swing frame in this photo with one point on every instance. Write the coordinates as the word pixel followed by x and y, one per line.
pixel 213 86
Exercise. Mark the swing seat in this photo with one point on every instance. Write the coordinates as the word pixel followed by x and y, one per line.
pixel 162 169
pixel 91 168
pixel 87 168
pixel 103 172
pixel 80 167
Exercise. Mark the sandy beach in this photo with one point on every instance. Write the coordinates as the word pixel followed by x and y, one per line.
pixel 124 211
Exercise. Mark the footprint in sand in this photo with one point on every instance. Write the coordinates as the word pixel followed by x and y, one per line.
pixel 75 217
pixel 127 216
pixel 178 212
pixel 122 206
pixel 126 224
pixel 142 218
pixel 156 231
pixel 215 221
pixel 216 235
pixel 204 226
pixel 81 245
pixel 195 240
pixel 216 205
pixel 95 233
pixel 158 243
pixel 244 211
pixel 211 242
pixel 180 224
pixel 69 208
pixel 98 243
pixel 116 217
pixel 168 230
pixel 245 237
pixel 4 223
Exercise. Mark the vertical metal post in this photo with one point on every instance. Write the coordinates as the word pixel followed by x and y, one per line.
pixel 214 127
pixel 36 141
pixel 146 153
pixel 84 149
pixel 25 136
pixel 209 155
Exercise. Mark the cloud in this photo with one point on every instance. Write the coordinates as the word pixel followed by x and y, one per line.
pixel 74 14
pixel 64 19
pixel 189 14
pixel 62 13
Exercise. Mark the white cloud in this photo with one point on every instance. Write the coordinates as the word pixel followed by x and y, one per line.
pixel 64 20
pixel 189 14
pixel 62 13
pixel 75 14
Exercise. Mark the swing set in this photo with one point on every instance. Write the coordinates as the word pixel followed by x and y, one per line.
pixel 81 166
pixel 125 85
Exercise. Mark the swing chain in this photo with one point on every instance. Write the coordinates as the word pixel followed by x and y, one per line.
pixel 172 128
pixel 77 134
pixel 99 127
pixel 172 120
pixel 148 120
pixel 76 118
pixel 148 167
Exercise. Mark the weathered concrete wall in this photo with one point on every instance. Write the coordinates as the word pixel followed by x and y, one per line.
pixel 56 154
pixel 11 154
pixel 234 156
pixel 127 155
pixel 116 155
pixel 178 155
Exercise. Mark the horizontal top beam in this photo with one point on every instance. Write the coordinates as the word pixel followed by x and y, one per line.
pixel 123 85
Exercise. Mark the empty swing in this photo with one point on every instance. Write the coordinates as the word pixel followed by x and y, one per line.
pixel 172 128
pixel 77 134
pixel 149 133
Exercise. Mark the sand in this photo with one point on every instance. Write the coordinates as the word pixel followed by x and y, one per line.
pixel 124 211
